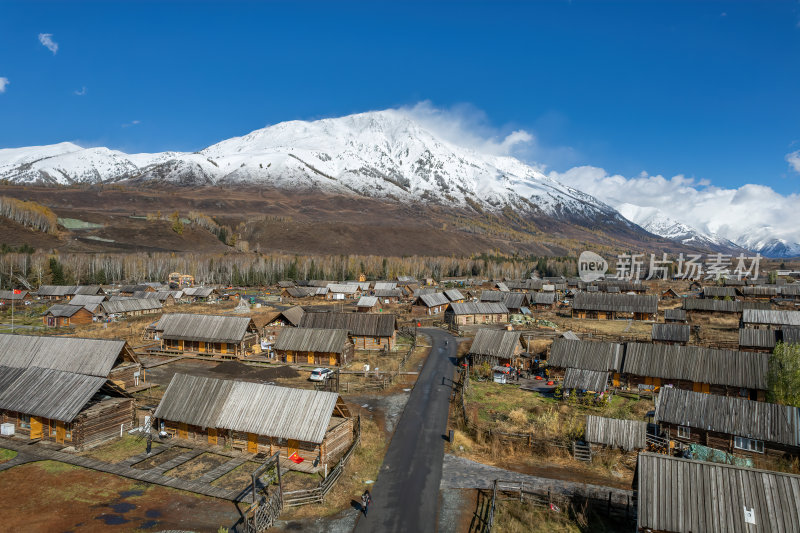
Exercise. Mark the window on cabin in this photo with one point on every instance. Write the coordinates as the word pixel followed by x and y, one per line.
pixel 684 432
pixel 25 421
pixel 749 445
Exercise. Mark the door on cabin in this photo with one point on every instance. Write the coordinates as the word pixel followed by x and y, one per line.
pixel 180 345
pixel 223 347
pixel 656 384
pixel 252 443
pixel 61 432
pixel 292 446
pixel 212 436
pixel 332 359
pixel 183 431
pixel 702 387
pixel 202 347
pixel 36 428
pixel 310 359
pixel 615 379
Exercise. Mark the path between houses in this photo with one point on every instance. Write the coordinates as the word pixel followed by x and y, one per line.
pixel 461 473
pixel 155 475
pixel 406 494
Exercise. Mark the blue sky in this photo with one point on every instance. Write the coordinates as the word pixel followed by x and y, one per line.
pixel 705 90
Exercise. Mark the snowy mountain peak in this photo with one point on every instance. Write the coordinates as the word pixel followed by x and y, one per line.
pixel 382 154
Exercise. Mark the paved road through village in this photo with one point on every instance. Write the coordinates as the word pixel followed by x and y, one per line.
pixel 406 495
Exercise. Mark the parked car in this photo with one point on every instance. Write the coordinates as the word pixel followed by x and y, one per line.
pixel 320 374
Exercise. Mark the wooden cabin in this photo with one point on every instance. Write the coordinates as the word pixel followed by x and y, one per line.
pixel 367 331
pixel 770 318
pixel 712 497
pixel 256 418
pixel 127 307
pixel 696 368
pixel 65 315
pixel 367 304
pixel 582 379
pixel 20 298
pixel 586 355
pixel 298 293
pixel 760 292
pixel 717 292
pixel 167 298
pixel 669 294
pixel 343 291
pixel 663 333
pixel 429 304
pixel 212 335
pixel 200 294
pixel 765 340
pixel 67 390
pixel 55 292
pixel 542 300
pixel 495 347
pixel 454 296
pixel 476 313
pixel 614 306
pixel 388 296
pixel 312 346
pixel 720 308
pixel 733 425
pixel 270 325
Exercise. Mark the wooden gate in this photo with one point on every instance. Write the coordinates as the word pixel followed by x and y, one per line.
pixel 252 443
pixel 36 428
pixel 212 435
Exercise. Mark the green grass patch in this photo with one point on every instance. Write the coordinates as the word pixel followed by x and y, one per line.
pixel 6 455
pixel 55 467
pixel 119 449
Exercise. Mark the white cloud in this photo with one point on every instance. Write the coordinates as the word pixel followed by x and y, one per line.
pixel 47 41
pixel 3 83
pixel 80 92
pixel 131 123
pixel 730 213
pixel 793 158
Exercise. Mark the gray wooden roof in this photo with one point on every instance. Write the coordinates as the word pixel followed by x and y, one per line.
pixel 453 295
pixel 542 298
pixel 388 293
pixel 582 379
pixel 281 412
pixel 433 299
pixel 93 357
pixel 301 292
pixel 626 434
pixel 698 364
pixel 697 496
pixel 385 285
pixel 763 421
pixel 344 288
pixel 721 306
pixel 49 393
pixel 367 301
pixel 622 303
pixel 772 317
pixel 478 308
pixel 713 291
pixel 356 324
pixel 130 305
pixel 205 328
pixel 199 292
pixel 492 296
pixel 56 290
pixel 63 310
pixel 760 290
pixel 758 338
pixel 674 314
pixel 495 343
pixel 588 355
pixel 294 315
pixel 87 299
pixel 671 332
pixel 10 295
pixel 312 340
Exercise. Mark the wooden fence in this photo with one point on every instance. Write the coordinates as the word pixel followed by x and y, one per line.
pixel 575 503
pixel 317 494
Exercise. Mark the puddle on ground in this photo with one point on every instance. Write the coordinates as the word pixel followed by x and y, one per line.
pixel 122 507
pixel 112 519
pixel 129 493
pixel 149 524
pixel 152 513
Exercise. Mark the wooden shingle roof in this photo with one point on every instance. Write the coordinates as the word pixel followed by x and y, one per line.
pixel 478 308
pixel 280 412
pixel 63 310
pixel 698 364
pixel 626 434
pixel 205 328
pixel 433 300
pixel 771 317
pixel 588 355
pixel 49 393
pixel 92 357
pixel 311 340
pixel 582 379
pixel 356 324
pixel 453 295
pixel 495 343
pixel 763 421
pixel 713 291
pixel 130 305
pixel 671 332
pixel 696 496
pixel 674 314
pixel 621 303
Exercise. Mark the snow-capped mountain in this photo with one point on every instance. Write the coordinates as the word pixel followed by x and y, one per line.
pixel 383 154
pixel 658 223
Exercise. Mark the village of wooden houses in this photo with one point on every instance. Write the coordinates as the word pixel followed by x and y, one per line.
pixel 661 406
